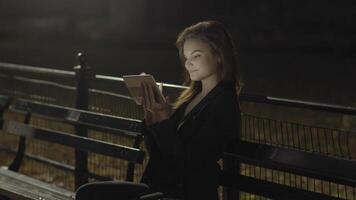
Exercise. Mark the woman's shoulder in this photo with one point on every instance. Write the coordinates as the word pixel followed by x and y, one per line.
pixel 227 102
pixel 227 96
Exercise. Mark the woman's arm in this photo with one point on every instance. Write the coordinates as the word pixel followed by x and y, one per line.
pixel 156 114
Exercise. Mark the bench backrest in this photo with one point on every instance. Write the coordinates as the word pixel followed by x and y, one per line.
pixel 74 141
pixel 309 164
pixel 82 120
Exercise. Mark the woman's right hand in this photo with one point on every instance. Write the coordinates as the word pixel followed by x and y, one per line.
pixel 154 111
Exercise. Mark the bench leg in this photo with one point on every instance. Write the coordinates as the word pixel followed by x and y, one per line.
pixel 16 163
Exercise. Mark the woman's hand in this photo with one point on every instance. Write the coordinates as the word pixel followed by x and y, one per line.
pixel 154 111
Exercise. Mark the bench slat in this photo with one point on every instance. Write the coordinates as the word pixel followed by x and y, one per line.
pixel 19 186
pixel 130 127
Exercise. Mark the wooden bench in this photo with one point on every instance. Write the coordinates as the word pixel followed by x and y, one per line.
pixel 17 186
pixel 308 164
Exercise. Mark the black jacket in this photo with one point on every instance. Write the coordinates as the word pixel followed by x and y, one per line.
pixel 184 152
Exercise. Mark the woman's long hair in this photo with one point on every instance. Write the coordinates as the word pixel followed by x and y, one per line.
pixel 220 41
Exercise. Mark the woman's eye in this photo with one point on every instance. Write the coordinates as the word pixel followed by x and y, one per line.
pixel 197 56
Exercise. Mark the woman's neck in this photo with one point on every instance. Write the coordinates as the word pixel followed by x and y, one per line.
pixel 208 84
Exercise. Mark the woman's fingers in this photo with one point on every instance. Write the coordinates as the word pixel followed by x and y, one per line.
pixel 151 94
pixel 160 87
pixel 168 100
pixel 149 102
pixel 147 96
pixel 143 98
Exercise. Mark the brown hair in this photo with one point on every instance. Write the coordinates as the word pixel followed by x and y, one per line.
pixel 220 41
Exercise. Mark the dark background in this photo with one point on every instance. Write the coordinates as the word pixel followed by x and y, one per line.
pixel 294 49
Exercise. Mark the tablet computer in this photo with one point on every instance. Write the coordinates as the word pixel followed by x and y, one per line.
pixel 133 84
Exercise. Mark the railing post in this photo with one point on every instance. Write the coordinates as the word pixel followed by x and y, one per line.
pixel 16 163
pixel 83 76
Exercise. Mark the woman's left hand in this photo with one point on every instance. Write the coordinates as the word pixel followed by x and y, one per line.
pixel 154 111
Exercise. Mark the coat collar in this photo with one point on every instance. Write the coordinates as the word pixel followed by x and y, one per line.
pixel 220 87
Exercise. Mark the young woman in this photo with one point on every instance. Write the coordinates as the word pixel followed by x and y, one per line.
pixel 186 141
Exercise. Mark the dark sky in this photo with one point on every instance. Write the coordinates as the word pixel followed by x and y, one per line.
pixel 296 49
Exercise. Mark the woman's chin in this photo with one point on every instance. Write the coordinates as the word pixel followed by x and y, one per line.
pixel 194 78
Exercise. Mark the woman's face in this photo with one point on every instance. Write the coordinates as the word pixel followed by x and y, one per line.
pixel 201 63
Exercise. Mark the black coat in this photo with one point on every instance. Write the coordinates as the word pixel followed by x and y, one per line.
pixel 184 152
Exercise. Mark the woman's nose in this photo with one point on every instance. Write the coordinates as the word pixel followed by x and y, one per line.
pixel 188 63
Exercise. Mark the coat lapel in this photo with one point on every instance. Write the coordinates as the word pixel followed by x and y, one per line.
pixel 221 86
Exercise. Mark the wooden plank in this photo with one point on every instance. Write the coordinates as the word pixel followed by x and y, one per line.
pixel 18 186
